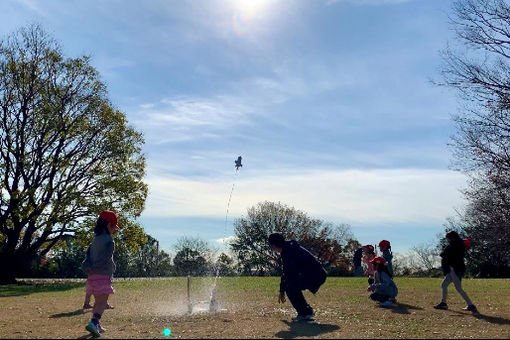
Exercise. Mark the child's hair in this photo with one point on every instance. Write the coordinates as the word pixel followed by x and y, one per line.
pixel 453 235
pixel 101 226
pixel 277 239
pixel 383 268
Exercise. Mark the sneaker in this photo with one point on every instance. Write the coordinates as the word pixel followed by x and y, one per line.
pixel 393 300
pixel 87 306
pixel 100 328
pixel 303 318
pixel 442 305
pixel 471 308
pixel 93 329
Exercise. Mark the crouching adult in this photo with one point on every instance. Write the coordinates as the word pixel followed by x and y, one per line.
pixel 301 271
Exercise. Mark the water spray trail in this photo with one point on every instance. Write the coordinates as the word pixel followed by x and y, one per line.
pixel 228 205
pixel 226 222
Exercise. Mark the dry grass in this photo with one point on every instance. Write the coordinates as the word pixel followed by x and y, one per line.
pixel 144 308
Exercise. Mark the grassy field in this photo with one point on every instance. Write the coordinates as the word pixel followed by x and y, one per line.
pixel 144 308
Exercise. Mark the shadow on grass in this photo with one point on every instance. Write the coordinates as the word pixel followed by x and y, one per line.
pixel 305 329
pixel 491 319
pixel 27 289
pixel 67 315
pixel 403 308
pixel 88 336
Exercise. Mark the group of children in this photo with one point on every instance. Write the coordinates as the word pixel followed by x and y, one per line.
pixel 379 270
pixel 301 271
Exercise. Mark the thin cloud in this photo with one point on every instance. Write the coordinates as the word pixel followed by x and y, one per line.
pixel 352 196
pixel 188 118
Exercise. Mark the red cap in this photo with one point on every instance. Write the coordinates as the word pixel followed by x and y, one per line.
pixel 369 246
pixel 467 243
pixel 109 216
pixel 378 260
pixel 384 243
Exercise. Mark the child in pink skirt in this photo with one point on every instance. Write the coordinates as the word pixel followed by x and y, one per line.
pixel 100 267
pixel 368 256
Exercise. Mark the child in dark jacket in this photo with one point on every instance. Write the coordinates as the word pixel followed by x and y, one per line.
pixel 452 263
pixel 385 248
pixel 301 271
pixel 356 262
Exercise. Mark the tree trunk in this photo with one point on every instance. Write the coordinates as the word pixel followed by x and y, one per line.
pixel 7 269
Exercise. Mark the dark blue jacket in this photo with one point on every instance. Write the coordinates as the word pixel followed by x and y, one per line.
pixel 300 268
pixel 453 256
pixel 356 259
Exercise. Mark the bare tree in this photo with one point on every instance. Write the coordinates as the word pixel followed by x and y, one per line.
pixel 427 256
pixel 478 66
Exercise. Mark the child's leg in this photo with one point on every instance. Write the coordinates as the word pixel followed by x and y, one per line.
pixel 87 299
pixel 458 286
pixel 444 286
pixel 101 300
pixel 86 303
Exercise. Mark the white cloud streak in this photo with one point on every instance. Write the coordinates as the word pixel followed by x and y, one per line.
pixel 352 196
pixel 189 117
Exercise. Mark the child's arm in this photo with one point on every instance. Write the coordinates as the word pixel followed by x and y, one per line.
pixel 87 263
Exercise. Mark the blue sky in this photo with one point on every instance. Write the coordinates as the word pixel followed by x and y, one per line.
pixel 329 102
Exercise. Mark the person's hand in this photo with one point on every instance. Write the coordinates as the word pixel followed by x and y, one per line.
pixel 281 298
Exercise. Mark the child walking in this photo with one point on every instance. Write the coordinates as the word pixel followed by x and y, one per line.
pixel 385 248
pixel 368 256
pixel 100 267
pixel 452 263
pixel 384 288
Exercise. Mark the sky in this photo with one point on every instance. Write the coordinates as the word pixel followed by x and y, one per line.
pixel 329 102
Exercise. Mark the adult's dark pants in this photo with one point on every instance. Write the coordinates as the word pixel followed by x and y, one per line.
pixel 294 291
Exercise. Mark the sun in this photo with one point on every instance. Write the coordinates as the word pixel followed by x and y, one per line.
pixel 251 9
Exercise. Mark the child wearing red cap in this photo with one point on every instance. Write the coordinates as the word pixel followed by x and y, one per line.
pixel 384 290
pixel 368 256
pixel 385 248
pixel 100 267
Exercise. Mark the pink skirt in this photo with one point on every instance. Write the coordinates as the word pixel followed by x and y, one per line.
pixel 99 284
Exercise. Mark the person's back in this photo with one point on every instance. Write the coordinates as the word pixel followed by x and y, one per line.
pixel 453 257
pixel 300 264
pixel 100 255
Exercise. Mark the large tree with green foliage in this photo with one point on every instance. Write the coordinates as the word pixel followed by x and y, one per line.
pixel 193 257
pixel 65 152
pixel 330 243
